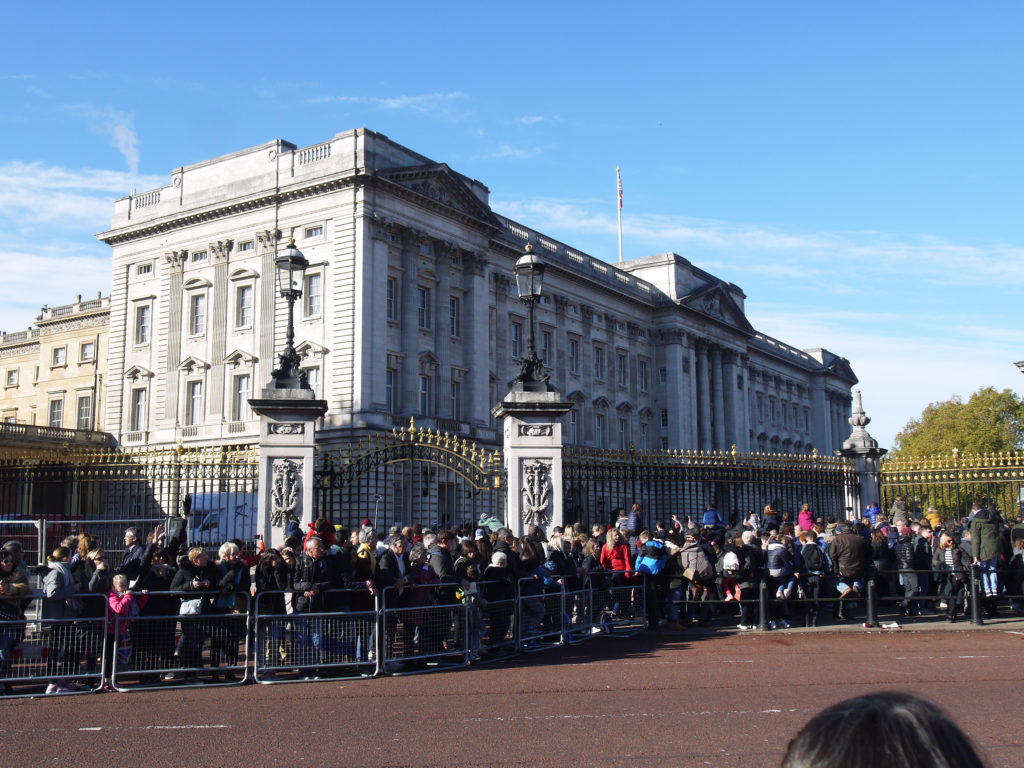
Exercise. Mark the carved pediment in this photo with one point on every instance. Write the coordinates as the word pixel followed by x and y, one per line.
pixel 645 412
pixel 240 358
pixel 310 350
pixel 443 186
pixel 576 396
pixel 624 407
pixel 602 403
pixel 137 372
pixel 713 300
pixel 192 364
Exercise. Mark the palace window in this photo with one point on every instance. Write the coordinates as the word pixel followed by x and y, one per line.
pixel 137 417
pixel 142 324
pixel 193 403
pixel 83 418
pixel 240 410
pixel 56 413
pixel 197 314
pixel 243 306
pixel 312 295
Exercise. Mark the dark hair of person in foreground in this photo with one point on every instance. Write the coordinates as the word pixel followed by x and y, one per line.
pixel 882 730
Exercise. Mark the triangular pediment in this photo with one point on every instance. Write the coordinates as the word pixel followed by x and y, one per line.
pixel 240 357
pixel 576 396
pixel 192 364
pixel 310 350
pixel 443 186
pixel 713 301
pixel 137 372
pixel 840 367
pixel 602 403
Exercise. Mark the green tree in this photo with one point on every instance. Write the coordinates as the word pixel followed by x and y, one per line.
pixel 989 421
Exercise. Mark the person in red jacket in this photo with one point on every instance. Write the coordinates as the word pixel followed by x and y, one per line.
pixel 615 556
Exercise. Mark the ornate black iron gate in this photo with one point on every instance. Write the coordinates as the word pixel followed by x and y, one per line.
pixel 410 476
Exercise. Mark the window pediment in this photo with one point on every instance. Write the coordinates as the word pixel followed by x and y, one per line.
pixel 240 358
pixel 193 364
pixel 137 372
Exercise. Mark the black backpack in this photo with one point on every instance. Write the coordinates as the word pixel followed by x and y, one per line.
pixel 814 558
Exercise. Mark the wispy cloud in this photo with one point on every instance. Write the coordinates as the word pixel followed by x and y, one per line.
pixel 531 119
pixel 758 248
pixel 441 104
pixel 34 193
pixel 504 151
pixel 16 77
pixel 116 126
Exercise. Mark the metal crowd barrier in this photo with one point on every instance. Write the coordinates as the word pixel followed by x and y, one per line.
pixel 621 606
pixel 53 656
pixel 423 626
pixel 340 643
pixel 174 650
pixel 493 625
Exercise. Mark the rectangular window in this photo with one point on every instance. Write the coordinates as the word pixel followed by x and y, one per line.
pixel 598 362
pixel 56 413
pixel 423 308
pixel 87 352
pixel 243 306
pixel 197 314
pixel 142 321
pixel 392 298
pixel 240 411
pixel 760 408
pixel 623 435
pixel 12 377
pixel 194 403
pixel 516 340
pixel 599 430
pixel 574 356
pixel 622 369
pixel 60 356
pixel 456 399
pixel 643 437
pixel 245 245
pixel 664 443
pixel 545 347
pixel 313 379
pixel 84 417
pixel 664 417
pixel 199 256
pixel 663 375
pixel 312 295
pixel 317 231
pixel 574 428
pixel 642 380
pixel 455 316
pixel 144 269
pixel 389 390
pixel 424 395
pixel 771 409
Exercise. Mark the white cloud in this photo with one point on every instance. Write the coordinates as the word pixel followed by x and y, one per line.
pixel 504 151
pixel 439 104
pixel 75 199
pixel 531 119
pixel 116 126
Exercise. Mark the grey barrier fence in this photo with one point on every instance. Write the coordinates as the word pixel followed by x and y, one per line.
pixel 340 643
pixel 54 656
pixel 429 629
pixel 174 650
pixel 40 536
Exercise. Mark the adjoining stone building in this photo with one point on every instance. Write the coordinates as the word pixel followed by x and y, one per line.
pixel 409 310
pixel 53 372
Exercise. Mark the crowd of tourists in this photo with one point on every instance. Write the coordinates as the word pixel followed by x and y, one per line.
pixel 687 569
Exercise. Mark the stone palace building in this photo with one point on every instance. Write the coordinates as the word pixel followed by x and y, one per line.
pixel 409 309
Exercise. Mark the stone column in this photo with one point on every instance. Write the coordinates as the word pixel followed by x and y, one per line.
pixel 532 429
pixel 704 398
pixel 867 456
pixel 287 445
pixel 717 392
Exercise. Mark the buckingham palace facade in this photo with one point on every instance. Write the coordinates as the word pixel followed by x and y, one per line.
pixel 409 310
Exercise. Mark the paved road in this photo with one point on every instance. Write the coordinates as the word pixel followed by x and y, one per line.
pixel 656 700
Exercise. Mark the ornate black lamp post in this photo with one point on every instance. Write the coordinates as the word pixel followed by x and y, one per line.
pixel 291 271
pixel 529 272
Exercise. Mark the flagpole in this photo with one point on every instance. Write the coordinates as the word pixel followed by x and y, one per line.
pixel 618 178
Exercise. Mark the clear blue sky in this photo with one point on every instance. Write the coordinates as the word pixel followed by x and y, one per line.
pixel 854 168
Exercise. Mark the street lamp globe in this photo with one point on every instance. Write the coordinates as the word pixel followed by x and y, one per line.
pixel 291 270
pixel 291 267
pixel 529 272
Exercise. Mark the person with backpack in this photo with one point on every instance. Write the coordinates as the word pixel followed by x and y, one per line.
pixel 650 561
pixel 779 562
pixel 815 567
pixel 699 575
